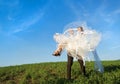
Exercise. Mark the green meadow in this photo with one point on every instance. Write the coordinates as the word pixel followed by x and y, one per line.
pixel 55 73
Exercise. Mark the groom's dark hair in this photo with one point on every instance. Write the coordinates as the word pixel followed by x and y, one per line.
pixel 81 28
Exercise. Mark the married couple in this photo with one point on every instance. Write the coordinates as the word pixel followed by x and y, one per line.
pixel 77 42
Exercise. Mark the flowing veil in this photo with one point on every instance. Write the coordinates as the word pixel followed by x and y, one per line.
pixel 98 66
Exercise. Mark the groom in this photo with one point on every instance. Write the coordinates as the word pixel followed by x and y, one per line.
pixel 70 58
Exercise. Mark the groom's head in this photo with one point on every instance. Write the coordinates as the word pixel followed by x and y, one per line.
pixel 80 28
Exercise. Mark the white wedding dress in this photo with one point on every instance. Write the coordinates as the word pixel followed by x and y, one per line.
pixel 79 44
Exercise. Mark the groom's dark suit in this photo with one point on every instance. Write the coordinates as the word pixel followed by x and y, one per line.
pixel 69 65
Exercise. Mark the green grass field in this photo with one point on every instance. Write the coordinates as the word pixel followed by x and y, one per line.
pixel 55 73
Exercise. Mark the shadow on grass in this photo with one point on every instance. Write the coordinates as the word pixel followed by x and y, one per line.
pixel 63 81
pixel 111 68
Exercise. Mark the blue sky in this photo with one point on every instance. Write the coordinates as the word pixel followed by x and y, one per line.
pixel 27 28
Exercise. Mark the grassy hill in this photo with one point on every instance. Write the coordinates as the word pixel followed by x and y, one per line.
pixel 55 73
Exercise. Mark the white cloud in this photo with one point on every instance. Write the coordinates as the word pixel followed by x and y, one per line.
pixel 115 47
pixel 78 9
pixel 27 23
pixel 0 30
pixel 10 18
pixel 111 17
pixel 107 35
pixel 20 24
pixel 115 12
pixel 9 3
pixel 83 13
